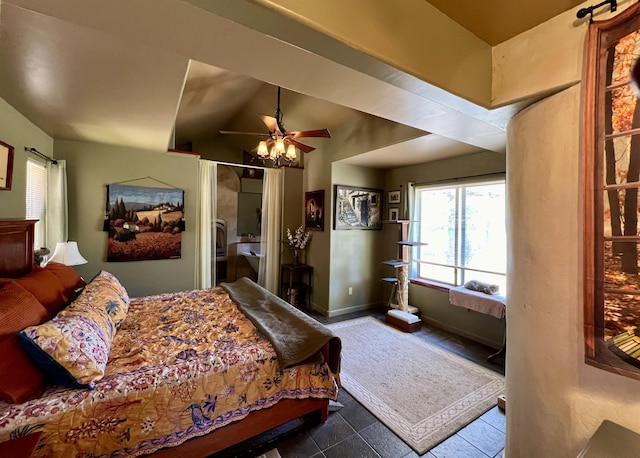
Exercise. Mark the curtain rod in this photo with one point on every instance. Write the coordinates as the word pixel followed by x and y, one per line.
pixel 38 153
pixel 495 174
pixel 233 164
pixel 582 12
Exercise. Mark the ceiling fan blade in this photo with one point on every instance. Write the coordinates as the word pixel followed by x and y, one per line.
pixel 233 132
pixel 301 146
pixel 271 123
pixel 323 133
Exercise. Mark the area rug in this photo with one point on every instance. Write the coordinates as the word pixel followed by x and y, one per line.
pixel 418 390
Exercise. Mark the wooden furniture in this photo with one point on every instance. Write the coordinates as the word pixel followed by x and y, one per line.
pixel 296 280
pixel 404 321
pixel 16 259
pixel 21 447
pixel 16 255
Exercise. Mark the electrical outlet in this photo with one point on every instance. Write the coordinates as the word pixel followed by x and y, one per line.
pixel 350 290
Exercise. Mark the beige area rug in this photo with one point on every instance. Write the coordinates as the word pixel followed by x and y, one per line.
pixel 420 391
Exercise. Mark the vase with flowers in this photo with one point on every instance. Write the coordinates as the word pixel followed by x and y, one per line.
pixel 297 242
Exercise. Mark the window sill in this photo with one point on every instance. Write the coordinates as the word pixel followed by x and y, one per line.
pixel 444 287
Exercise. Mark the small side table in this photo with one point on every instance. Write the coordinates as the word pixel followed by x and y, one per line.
pixel 296 278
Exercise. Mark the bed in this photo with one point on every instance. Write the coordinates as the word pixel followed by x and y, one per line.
pixel 177 374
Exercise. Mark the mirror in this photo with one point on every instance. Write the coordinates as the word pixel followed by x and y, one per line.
pixel 249 213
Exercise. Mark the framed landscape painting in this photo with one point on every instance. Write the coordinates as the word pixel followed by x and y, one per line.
pixel 357 208
pixel 144 223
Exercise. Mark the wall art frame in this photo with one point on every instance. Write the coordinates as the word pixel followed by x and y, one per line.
pixel 144 223
pixel 357 208
pixel 393 197
pixel 314 210
pixel 6 166
pixel 611 190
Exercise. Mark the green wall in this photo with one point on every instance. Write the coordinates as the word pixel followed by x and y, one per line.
pixel 355 254
pixel 19 132
pixel 90 167
pixel 317 176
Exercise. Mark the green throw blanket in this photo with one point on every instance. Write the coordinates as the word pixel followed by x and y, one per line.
pixel 296 337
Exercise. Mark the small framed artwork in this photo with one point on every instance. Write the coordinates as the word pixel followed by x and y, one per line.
pixel 393 214
pixel 314 210
pixel 6 165
pixel 394 197
pixel 357 208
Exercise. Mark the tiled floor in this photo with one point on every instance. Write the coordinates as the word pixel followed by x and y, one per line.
pixel 354 432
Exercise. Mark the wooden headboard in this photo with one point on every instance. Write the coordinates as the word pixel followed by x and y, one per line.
pixel 16 247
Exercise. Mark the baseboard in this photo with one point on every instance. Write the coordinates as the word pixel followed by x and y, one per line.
pixel 461 332
pixel 344 311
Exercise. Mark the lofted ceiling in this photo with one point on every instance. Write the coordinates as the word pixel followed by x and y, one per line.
pixel 92 71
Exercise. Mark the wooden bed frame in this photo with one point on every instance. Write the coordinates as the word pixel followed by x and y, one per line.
pixel 16 259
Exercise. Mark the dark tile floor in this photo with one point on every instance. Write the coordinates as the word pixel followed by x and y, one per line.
pixel 354 432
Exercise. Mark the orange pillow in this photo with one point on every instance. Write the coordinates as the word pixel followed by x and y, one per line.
pixel 20 378
pixel 19 309
pixel 46 288
pixel 68 276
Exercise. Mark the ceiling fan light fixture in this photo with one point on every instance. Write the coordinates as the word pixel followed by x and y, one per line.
pixel 284 145
pixel 263 151
pixel 291 152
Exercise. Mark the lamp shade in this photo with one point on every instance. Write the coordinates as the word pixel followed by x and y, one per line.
pixel 68 254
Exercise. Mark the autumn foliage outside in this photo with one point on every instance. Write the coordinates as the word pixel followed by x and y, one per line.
pixel 621 183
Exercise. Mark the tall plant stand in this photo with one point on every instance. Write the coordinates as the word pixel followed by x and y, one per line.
pixel 295 284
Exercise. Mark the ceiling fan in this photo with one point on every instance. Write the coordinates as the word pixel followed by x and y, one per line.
pixel 278 139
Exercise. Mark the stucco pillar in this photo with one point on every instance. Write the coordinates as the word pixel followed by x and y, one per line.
pixel 543 292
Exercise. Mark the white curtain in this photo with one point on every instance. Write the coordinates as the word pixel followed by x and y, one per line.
pixel 206 220
pixel 57 226
pixel 271 229
pixel 411 213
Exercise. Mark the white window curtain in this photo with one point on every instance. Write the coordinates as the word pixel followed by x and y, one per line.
pixel 271 229
pixel 408 213
pixel 57 228
pixel 206 233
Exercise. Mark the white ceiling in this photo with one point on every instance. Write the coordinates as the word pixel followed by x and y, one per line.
pixel 95 71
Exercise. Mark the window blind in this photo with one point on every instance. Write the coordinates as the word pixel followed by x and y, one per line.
pixel 36 199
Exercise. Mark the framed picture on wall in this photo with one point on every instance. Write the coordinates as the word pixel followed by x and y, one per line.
pixel 6 165
pixel 357 208
pixel 314 210
pixel 394 197
pixel 393 214
pixel 611 188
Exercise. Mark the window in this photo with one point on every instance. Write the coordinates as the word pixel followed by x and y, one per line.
pixel 463 227
pixel 37 199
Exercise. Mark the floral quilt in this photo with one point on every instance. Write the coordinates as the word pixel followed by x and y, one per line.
pixel 181 365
